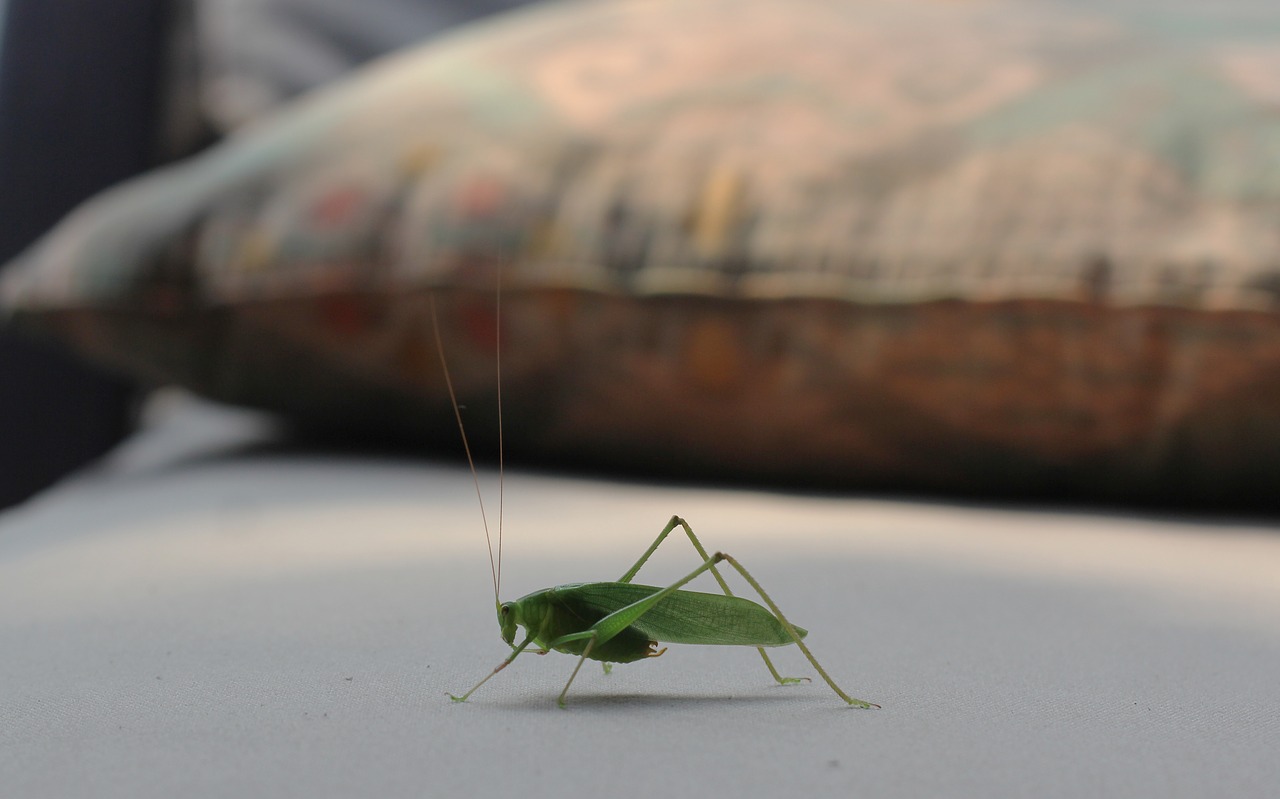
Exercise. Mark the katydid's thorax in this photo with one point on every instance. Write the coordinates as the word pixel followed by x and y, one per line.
pixel 552 613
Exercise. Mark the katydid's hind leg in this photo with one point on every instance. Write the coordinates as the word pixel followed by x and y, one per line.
pixel 657 542
pixel 791 630
pixel 677 521
pixel 610 626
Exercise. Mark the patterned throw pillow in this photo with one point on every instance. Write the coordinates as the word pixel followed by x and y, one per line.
pixel 1029 248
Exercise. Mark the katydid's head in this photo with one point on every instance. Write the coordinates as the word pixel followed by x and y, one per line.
pixel 507 620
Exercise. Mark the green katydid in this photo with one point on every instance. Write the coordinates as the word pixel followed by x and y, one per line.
pixel 621 621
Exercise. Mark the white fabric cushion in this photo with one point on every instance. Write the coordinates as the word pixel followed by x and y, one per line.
pixel 198 618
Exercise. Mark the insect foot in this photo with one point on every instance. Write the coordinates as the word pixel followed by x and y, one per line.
pixel 792 631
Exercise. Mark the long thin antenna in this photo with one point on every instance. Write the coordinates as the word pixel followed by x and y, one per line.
pixel 475 478
pixel 502 460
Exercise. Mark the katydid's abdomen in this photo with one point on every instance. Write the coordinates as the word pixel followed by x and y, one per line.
pixel 682 617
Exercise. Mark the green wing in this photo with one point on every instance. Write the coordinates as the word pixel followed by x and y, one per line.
pixel 684 617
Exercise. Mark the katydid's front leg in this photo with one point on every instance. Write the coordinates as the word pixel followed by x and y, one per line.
pixel 676 521
pixel 499 668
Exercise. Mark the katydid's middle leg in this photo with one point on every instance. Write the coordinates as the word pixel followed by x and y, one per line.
pixel 590 636
pixel 676 521
pixel 607 628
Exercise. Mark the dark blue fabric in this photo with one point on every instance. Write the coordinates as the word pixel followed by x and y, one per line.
pixel 78 111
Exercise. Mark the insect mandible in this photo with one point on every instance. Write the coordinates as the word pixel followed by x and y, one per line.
pixel 622 621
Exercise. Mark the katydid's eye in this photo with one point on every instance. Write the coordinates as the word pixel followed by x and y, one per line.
pixel 506 610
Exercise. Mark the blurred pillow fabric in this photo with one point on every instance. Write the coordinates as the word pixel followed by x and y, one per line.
pixel 256 54
pixel 995 247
